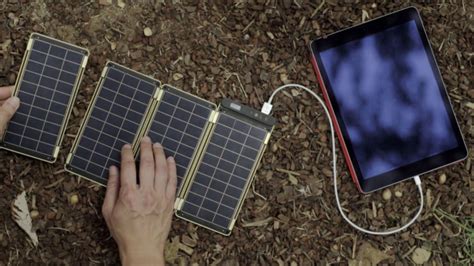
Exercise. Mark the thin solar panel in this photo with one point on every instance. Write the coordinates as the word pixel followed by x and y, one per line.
pixel 224 173
pixel 178 124
pixel 49 76
pixel 114 119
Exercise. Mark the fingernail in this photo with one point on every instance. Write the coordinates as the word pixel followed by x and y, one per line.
pixel 127 146
pixel 13 102
pixel 146 139
pixel 170 159
pixel 157 145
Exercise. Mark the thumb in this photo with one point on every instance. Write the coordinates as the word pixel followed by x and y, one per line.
pixel 7 110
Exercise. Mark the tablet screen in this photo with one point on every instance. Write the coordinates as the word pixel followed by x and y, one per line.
pixel 389 99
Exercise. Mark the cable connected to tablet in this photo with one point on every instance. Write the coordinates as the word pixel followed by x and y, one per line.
pixel 267 108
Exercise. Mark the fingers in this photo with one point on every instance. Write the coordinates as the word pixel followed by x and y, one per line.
pixel 7 110
pixel 161 172
pixel 111 195
pixel 172 178
pixel 147 164
pixel 128 171
pixel 6 92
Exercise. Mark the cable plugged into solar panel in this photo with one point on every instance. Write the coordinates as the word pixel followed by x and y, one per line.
pixel 267 108
pixel 249 112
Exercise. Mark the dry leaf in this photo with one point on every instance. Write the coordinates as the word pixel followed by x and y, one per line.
pixel 365 15
pixel 258 223
pixel 171 250
pixel 420 256
pixel 368 255
pixel 293 179
pixel 21 215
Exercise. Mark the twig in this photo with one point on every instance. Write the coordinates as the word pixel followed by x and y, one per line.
pixel 59 228
pixel 281 170
pixel 317 9
pixel 248 26
pixel 408 252
pixel 54 184
pixel 256 193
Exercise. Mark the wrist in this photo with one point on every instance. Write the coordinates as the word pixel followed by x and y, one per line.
pixel 139 256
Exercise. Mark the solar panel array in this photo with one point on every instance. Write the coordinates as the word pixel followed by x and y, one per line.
pixel 178 124
pixel 216 152
pixel 224 173
pixel 115 119
pixel 51 72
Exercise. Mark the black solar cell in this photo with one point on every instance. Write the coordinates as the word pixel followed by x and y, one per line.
pixel 224 172
pixel 116 116
pixel 178 124
pixel 46 90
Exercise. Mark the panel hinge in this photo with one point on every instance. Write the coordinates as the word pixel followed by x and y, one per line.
pixel 178 203
pixel 104 71
pixel 158 94
pixel 267 138
pixel 213 116
pixel 232 223
pixel 84 61
pixel 30 44
pixel 69 157
pixel 56 151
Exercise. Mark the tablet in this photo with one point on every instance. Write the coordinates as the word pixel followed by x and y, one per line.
pixel 388 102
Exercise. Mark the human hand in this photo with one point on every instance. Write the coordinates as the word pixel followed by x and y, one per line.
pixel 139 216
pixel 8 107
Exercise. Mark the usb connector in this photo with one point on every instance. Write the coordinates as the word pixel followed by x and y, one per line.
pixel 267 108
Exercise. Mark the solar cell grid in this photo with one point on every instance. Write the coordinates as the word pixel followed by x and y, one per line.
pixel 46 88
pixel 223 174
pixel 116 116
pixel 178 124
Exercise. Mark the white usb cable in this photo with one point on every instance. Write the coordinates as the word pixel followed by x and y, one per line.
pixel 267 108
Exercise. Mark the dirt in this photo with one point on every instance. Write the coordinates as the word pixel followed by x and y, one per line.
pixel 241 50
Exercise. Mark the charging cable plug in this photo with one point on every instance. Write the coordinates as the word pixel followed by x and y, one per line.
pixel 267 108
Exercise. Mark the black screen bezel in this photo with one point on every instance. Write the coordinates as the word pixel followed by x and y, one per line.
pixel 358 32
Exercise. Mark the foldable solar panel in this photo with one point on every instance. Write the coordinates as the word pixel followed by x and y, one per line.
pixel 47 85
pixel 179 123
pixel 227 164
pixel 216 150
pixel 115 117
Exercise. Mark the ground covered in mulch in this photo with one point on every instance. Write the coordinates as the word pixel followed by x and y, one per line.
pixel 241 50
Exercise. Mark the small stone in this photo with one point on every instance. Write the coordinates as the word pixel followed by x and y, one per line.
pixel 442 179
pixel 295 92
pixel 34 214
pixel 270 35
pixel 398 194
pixel 284 78
pixel 276 225
pixel 387 194
pixel 148 32
pixel 420 256
pixel 121 3
pixel 74 199
pixel 177 76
